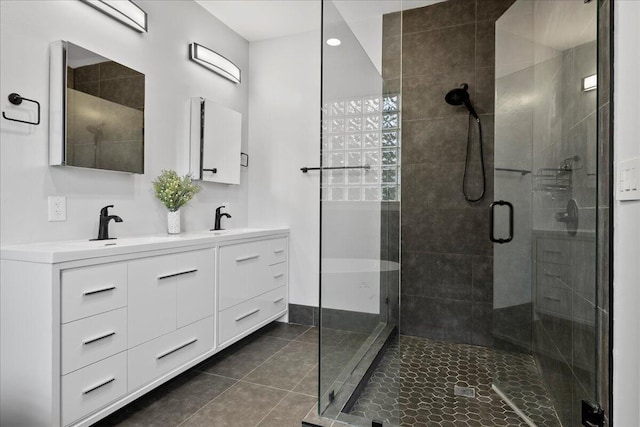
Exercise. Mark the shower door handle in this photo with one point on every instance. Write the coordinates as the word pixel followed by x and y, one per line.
pixel 492 208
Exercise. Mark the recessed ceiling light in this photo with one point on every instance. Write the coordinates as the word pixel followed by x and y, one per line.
pixel 334 42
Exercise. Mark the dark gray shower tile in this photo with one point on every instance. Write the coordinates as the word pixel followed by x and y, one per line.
pixel 492 9
pixel 391 86
pixel 437 319
pixel 604 53
pixel 485 90
pixel 482 324
pixel 113 70
pixel 424 95
pixel 445 14
pixel 88 73
pixel 91 88
pixel 436 275
pixel 453 231
pixel 392 24
pixel 434 140
pixel 482 279
pixel 603 352
pixel 391 57
pixel 127 91
pixel 485 44
pixel 301 314
pixel 604 158
pixel 346 320
pixel 603 261
pixel 438 51
pixel 558 331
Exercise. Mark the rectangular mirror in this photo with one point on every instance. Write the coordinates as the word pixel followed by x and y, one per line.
pixel 216 135
pixel 96 113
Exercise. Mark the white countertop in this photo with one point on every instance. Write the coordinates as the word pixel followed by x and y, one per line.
pixel 73 250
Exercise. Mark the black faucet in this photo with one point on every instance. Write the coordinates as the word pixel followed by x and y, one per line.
pixel 103 230
pixel 219 215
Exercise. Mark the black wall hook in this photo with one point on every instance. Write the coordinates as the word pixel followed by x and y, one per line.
pixel 16 99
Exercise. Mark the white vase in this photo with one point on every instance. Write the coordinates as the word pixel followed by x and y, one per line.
pixel 173 222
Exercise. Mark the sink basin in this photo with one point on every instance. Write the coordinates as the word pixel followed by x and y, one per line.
pixel 231 231
pixel 116 242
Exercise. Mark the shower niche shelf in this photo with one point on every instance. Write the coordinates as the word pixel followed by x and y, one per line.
pixel 556 181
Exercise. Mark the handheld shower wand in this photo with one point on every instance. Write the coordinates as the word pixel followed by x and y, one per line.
pixel 460 96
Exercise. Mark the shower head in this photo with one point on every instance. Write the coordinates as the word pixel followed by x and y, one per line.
pixel 460 96
pixel 96 130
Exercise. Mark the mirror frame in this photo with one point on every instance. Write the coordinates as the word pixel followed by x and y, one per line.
pixel 58 62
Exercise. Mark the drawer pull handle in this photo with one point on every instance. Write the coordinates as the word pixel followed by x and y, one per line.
pixel 247 258
pixel 177 274
pixel 553 275
pixel 549 251
pixel 251 313
pixel 89 390
pixel 552 298
pixel 173 350
pixel 278 251
pixel 278 300
pixel 101 337
pixel 278 275
pixel 97 291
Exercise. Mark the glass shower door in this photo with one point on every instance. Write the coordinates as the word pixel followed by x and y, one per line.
pixel 546 168
pixel 359 207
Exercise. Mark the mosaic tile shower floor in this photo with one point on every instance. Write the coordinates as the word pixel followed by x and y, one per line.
pixel 414 385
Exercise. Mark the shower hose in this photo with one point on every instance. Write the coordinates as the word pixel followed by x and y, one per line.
pixel 466 163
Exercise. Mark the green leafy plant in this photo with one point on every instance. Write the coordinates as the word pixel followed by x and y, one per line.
pixel 174 191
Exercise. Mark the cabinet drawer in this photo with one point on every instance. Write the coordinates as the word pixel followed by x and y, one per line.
pixel 278 250
pixel 239 319
pixel 553 275
pixel 93 387
pixel 160 356
pixel 92 339
pixel 554 300
pixel 243 271
pixel 92 290
pixel 278 274
pixel 553 250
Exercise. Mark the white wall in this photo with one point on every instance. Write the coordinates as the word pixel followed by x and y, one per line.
pixel 626 285
pixel 284 135
pixel 27 28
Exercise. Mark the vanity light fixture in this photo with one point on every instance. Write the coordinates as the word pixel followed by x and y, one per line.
pixel 589 83
pixel 214 62
pixel 334 42
pixel 124 11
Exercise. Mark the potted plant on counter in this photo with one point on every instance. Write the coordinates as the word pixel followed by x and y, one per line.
pixel 174 192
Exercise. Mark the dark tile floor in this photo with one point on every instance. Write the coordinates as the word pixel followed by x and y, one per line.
pixel 414 382
pixel 266 379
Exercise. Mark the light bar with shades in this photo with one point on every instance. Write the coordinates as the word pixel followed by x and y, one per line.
pixel 124 11
pixel 589 83
pixel 214 62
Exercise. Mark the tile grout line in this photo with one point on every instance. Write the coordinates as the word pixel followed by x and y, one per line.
pixel 207 404
pixel 237 381
pixel 271 410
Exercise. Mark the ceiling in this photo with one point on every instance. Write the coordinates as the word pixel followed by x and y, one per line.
pixel 265 19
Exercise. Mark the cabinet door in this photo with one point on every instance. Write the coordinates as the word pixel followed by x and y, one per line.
pixel 152 298
pixel 243 268
pixel 194 299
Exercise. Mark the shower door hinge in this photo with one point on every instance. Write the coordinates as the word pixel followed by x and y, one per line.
pixel 592 415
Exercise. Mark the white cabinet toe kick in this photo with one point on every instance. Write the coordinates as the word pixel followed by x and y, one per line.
pixel 82 337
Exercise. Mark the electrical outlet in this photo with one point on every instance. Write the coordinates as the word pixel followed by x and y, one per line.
pixel 57 208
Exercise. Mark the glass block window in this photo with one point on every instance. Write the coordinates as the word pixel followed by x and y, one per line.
pixel 358 132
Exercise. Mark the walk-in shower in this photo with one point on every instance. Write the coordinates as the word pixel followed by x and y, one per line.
pixel 440 306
